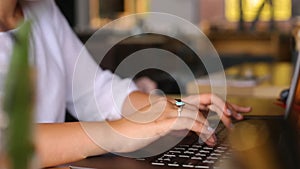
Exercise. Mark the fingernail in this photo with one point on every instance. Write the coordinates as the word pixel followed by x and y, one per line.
pixel 229 112
pixel 208 139
pixel 239 115
pixel 210 129
pixel 214 137
pixel 200 141
pixel 212 140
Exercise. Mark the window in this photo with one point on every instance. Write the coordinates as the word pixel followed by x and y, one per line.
pixel 103 11
pixel 282 9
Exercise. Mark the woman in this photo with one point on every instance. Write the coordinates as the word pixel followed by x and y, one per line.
pixel 55 48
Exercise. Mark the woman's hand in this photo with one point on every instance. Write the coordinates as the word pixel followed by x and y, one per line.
pixel 160 116
pixel 156 120
pixel 225 110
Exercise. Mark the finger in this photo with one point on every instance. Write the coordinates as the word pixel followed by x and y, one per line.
pixel 199 113
pixel 188 111
pixel 166 125
pixel 207 135
pixel 218 105
pixel 190 106
pixel 241 109
pixel 210 140
pixel 231 112
pixel 224 110
pixel 236 111
pixel 202 108
pixel 227 109
pixel 203 102
pixel 225 119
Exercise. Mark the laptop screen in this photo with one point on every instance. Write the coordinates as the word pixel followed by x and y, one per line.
pixel 292 113
pixel 292 121
pixel 295 109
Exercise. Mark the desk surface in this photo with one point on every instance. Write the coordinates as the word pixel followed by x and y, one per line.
pixel 271 80
pixel 260 106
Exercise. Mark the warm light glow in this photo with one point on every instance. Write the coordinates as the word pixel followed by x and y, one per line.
pixel 136 6
pixel 130 7
pixel 282 10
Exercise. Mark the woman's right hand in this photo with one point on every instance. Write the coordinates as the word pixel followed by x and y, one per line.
pixel 158 116
pixel 149 124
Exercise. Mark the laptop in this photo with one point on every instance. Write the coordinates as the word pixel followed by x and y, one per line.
pixel 265 142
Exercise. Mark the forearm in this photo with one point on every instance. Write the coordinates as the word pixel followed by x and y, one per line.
pixel 61 143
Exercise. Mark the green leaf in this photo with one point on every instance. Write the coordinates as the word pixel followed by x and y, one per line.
pixel 19 101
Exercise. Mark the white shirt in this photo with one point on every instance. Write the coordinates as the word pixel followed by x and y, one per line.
pixel 54 51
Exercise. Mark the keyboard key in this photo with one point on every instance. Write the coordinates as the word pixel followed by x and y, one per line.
pixel 216 154
pixel 188 166
pixel 207 148
pixel 191 163
pixel 208 161
pixel 211 158
pixel 175 152
pixel 196 158
pixel 160 159
pixel 167 159
pixel 219 151
pixel 179 148
pixel 173 165
pixel 222 147
pixel 158 163
pixel 201 166
pixel 169 155
pixel 196 146
pixel 203 151
pixel 188 152
pixel 201 154
pixel 184 156
pixel 195 155
pixel 192 149
pixel 226 157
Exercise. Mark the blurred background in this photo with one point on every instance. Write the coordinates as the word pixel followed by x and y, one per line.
pixel 242 31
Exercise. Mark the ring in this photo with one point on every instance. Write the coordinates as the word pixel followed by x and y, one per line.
pixel 179 103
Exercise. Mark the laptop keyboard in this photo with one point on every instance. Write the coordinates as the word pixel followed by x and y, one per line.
pixel 195 154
